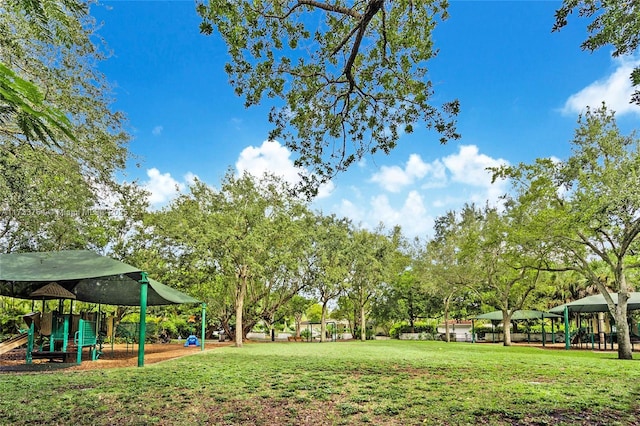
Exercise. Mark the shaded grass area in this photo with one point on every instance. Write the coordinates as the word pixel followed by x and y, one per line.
pixel 381 382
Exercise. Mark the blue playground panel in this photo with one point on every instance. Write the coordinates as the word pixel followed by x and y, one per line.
pixel 192 341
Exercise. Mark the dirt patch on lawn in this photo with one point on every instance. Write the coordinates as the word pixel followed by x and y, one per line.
pixel 120 356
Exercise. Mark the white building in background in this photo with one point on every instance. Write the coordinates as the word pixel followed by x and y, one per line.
pixel 462 330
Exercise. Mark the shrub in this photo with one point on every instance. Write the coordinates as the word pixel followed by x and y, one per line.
pixel 394 331
pixel 305 334
pixel 177 326
pixel 427 328
pixel 11 320
pixel 369 333
pixel 488 329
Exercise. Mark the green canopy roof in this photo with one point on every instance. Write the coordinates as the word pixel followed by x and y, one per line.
pixel 522 314
pixel 90 277
pixel 596 303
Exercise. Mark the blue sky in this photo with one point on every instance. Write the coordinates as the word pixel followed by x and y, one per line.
pixel 520 86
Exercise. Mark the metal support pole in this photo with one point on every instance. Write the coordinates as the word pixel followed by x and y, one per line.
pixel 593 344
pixel 80 340
pixel 144 284
pixel 473 331
pixel 567 338
pixel 30 341
pixel 204 327
pixel 65 332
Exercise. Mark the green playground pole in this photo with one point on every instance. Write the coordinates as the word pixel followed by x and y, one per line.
pixel 144 284
pixel 31 339
pixel 80 340
pixel 65 332
pixel 567 338
pixel 204 322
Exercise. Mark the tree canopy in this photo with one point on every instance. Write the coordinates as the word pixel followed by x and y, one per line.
pixel 60 141
pixel 585 211
pixel 615 23
pixel 351 77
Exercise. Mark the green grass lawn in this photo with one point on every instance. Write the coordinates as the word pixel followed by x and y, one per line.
pixel 379 383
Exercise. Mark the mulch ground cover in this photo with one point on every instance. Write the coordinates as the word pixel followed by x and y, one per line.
pixel 120 356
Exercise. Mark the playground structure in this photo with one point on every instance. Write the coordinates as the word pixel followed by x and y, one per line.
pixel 87 277
pixel 65 335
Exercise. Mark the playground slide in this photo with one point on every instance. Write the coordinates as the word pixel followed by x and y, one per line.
pixel 14 342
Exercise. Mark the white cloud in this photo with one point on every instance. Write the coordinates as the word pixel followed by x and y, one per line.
pixel 395 178
pixel 157 131
pixel 469 167
pixel 190 178
pixel 325 190
pixel 163 187
pixel 271 157
pixel 615 90
pixel 424 190
pixel 411 215
pixel 352 211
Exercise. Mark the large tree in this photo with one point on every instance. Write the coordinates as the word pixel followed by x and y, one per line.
pixel 296 308
pixel 449 266
pixel 587 210
pixel 331 261
pixel 286 271
pixel 372 266
pixel 509 266
pixel 352 76
pixel 60 142
pixel 54 48
pixel 240 240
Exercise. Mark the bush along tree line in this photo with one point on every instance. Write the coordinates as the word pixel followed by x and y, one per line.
pixel 251 247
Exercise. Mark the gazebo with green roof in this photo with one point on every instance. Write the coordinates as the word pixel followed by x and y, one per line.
pixel 591 304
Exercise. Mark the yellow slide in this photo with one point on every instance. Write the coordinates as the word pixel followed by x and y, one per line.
pixel 14 342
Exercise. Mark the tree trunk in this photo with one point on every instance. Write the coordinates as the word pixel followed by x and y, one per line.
pixel 298 319
pixel 240 293
pixel 446 319
pixel 363 328
pixel 622 328
pixel 619 313
pixel 271 330
pixel 239 330
pixel 323 322
pixel 506 327
pixel 411 322
pixel 227 329
pixel 601 337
